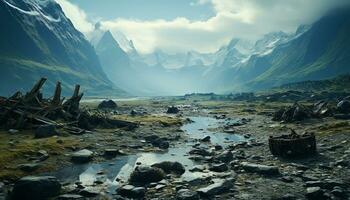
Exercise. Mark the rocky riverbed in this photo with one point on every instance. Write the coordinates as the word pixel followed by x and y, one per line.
pixel 207 150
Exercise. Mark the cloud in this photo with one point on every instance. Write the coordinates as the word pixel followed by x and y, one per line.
pixel 77 16
pixel 247 19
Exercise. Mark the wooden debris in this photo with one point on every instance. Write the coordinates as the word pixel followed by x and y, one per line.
pixel 32 110
pixel 293 145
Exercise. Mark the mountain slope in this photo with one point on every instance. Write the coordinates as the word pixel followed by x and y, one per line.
pixel 322 51
pixel 39 40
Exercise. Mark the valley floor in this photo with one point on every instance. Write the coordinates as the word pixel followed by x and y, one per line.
pixel 321 176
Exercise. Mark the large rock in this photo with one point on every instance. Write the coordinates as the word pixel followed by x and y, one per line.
pixel 36 187
pixel 143 175
pixel 294 113
pixel 171 167
pixel 107 104
pixel 82 156
pixel 260 169
pixel 132 191
pixel 45 131
pixel 218 187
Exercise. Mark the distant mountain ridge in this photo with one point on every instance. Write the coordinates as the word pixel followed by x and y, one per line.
pixel 39 40
pixel 317 52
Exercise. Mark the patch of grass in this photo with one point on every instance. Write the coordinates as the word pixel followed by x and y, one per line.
pixel 153 119
pixel 16 148
pixel 333 128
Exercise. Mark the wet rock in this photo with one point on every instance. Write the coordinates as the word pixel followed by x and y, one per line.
pixel 70 197
pixel 36 187
pixel 82 156
pixel 132 191
pixel 206 139
pixel 144 175
pixel 30 167
pixel 260 169
pixel 201 152
pixel 157 141
pixel 170 167
pixel 113 152
pixel 219 167
pixel 226 157
pixel 186 194
pixel 344 106
pixel 45 131
pixel 218 187
pixel 314 193
pixel 107 104
pixel 173 110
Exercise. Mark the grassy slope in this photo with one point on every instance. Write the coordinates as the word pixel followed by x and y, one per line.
pixel 16 74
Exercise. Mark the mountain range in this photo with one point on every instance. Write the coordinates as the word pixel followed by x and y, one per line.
pixel 40 41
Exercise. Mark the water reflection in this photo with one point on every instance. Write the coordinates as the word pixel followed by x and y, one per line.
pixel 119 169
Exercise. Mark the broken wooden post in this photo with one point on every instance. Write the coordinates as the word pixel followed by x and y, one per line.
pixel 57 95
pixel 33 94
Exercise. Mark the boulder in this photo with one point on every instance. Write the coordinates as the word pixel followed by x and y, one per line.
pixel 143 175
pixel 45 131
pixel 157 141
pixel 107 104
pixel 260 169
pixel 170 167
pixel 186 194
pixel 173 110
pixel 36 187
pixel 218 187
pixel 131 191
pixel 82 156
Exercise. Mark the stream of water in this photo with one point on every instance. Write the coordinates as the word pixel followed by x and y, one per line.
pixel 121 167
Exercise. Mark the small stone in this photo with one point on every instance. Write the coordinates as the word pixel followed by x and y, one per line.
pixel 260 169
pixel 132 191
pixel 314 193
pixel 70 197
pixel 219 167
pixel 170 167
pixel 186 194
pixel 29 167
pixel 206 139
pixel 218 187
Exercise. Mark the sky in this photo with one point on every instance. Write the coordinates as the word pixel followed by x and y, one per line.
pixel 200 25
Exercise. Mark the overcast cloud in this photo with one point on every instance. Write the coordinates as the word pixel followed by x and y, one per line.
pixel 247 19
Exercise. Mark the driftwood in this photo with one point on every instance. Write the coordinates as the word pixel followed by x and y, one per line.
pixel 293 145
pixel 32 110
